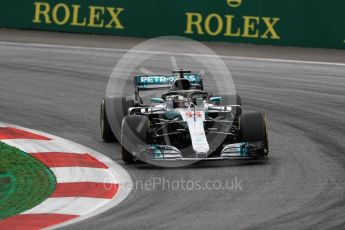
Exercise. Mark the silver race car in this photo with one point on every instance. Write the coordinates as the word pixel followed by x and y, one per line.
pixel 185 123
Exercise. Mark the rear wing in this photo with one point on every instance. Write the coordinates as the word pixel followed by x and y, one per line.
pixel 149 82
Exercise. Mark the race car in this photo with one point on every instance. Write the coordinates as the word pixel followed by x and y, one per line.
pixel 185 123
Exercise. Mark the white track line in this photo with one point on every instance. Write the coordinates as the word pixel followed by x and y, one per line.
pixel 30 146
pixel 68 205
pixel 38 45
pixel 76 174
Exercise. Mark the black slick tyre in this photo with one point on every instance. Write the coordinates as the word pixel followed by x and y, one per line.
pixel 135 130
pixel 253 129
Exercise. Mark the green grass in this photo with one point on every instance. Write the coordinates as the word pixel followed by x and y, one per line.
pixel 24 181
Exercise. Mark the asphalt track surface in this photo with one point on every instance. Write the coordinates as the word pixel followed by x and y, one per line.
pixel 58 90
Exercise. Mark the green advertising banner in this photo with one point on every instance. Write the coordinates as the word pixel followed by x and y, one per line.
pixel 304 23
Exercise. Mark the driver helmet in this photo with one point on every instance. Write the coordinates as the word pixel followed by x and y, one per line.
pixel 181 102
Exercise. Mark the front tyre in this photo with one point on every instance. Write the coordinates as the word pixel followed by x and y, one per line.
pixel 253 128
pixel 134 132
pixel 121 104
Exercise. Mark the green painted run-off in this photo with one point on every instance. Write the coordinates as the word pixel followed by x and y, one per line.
pixel 24 181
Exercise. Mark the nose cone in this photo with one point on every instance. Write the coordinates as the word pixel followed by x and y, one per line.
pixel 234 3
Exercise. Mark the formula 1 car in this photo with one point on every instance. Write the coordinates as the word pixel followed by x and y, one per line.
pixel 184 123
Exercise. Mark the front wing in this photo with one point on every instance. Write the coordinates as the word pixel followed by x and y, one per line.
pixel 242 150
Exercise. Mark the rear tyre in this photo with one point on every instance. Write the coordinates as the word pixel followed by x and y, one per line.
pixel 135 130
pixel 106 132
pixel 253 129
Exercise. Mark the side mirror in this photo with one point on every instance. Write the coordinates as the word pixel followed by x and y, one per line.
pixel 215 99
pixel 157 100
